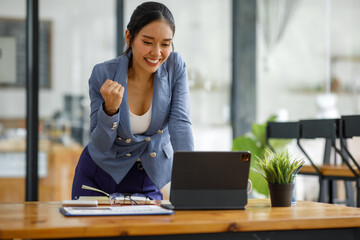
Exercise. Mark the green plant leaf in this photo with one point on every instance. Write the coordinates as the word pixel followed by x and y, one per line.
pixel 279 144
pixel 259 132
pixel 259 183
pixel 246 143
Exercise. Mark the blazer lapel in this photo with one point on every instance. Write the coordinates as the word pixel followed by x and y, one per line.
pixel 121 77
pixel 161 99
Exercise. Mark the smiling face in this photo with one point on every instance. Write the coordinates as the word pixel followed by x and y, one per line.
pixel 151 46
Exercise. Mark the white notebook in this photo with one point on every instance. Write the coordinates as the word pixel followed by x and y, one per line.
pixel 115 211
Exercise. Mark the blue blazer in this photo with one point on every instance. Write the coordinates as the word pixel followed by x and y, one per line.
pixel 113 146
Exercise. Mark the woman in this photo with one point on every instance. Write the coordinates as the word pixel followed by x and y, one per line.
pixel 140 111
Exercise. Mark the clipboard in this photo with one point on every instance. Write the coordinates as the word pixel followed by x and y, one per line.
pixel 133 210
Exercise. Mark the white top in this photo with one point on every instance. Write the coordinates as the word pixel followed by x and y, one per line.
pixel 139 124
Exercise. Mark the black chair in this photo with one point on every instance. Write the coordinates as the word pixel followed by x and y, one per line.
pixel 330 170
pixel 281 130
pixel 349 128
pixel 286 130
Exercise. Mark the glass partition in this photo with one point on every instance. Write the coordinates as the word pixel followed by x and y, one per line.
pixel 12 102
pixel 73 37
pixel 82 35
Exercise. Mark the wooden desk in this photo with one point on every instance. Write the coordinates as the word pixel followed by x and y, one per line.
pixel 306 220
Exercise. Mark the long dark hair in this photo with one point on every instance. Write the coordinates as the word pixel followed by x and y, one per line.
pixel 144 14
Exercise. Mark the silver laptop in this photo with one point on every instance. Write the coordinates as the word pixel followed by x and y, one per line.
pixel 209 180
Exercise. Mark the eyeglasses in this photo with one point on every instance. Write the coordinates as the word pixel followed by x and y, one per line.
pixel 118 199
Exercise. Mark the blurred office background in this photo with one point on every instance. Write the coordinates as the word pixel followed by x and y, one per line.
pixel 307 66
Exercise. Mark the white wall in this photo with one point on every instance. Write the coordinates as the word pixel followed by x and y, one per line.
pixel 299 60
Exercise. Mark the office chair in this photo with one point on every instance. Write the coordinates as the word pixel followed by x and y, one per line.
pixel 328 172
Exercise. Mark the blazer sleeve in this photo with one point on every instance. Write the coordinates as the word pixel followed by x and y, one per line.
pixel 180 130
pixel 103 128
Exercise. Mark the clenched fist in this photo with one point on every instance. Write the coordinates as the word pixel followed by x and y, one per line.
pixel 112 93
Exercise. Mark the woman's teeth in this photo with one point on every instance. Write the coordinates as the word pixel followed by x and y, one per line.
pixel 153 61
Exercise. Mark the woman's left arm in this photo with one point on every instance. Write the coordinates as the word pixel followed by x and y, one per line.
pixel 180 130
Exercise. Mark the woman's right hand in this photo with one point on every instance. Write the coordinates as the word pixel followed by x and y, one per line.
pixel 112 93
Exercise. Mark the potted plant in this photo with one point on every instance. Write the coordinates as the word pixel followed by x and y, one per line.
pixel 279 170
